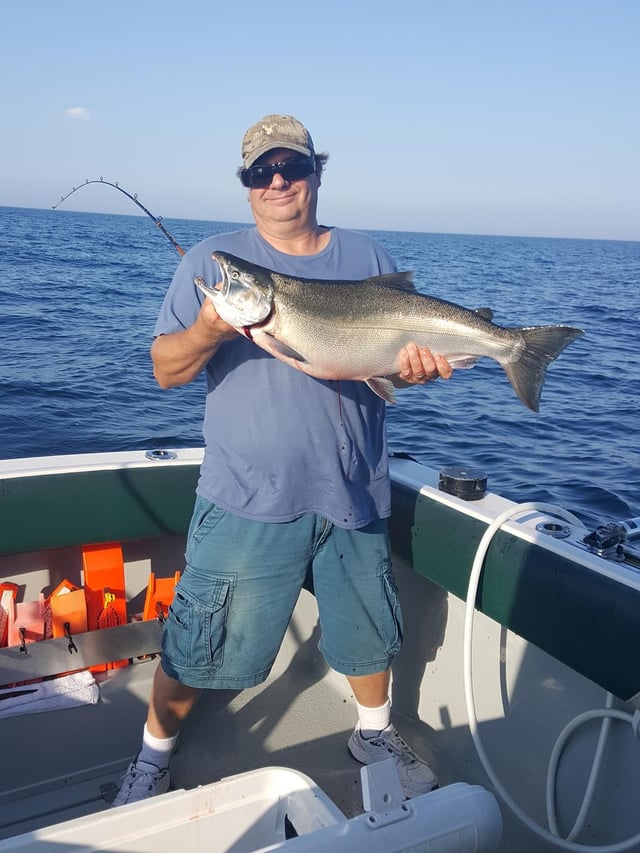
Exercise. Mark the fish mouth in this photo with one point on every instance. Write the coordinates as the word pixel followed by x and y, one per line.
pixel 223 287
pixel 251 303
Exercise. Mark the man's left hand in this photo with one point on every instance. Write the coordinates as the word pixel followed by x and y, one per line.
pixel 419 365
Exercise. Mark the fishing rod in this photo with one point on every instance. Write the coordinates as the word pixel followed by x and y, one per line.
pixel 157 220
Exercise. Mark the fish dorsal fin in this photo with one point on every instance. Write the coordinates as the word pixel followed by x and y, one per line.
pixel 485 313
pixel 397 280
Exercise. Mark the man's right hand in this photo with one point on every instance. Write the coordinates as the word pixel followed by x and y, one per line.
pixel 180 356
pixel 212 320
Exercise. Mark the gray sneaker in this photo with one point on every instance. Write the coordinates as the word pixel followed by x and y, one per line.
pixel 416 777
pixel 142 781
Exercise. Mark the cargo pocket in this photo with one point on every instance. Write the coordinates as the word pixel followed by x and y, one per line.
pixel 195 629
pixel 391 616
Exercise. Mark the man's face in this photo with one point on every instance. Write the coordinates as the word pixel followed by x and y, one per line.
pixel 284 201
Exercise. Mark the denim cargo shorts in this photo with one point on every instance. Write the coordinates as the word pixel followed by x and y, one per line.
pixel 242 579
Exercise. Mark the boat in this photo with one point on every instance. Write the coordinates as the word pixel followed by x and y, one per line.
pixel 518 679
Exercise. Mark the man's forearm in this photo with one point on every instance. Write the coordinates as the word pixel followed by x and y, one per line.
pixel 179 357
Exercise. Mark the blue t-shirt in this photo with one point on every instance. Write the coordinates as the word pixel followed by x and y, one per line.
pixel 279 443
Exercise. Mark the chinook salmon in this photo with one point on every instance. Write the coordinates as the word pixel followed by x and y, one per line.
pixel 356 329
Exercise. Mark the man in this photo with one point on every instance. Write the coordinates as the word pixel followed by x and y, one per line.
pixel 294 480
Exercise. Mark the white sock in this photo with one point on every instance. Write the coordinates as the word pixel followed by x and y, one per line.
pixel 373 720
pixel 156 750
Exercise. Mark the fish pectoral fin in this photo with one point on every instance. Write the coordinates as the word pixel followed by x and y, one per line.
pixel 286 351
pixel 382 387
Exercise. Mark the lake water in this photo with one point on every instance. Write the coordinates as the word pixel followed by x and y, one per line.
pixel 79 294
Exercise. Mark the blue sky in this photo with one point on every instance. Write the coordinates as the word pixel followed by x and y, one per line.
pixel 497 117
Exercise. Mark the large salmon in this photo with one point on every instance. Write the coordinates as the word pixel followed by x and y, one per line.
pixel 356 329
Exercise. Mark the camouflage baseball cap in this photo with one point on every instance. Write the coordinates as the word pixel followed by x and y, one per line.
pixel 275 131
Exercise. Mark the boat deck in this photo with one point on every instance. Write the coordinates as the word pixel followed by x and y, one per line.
pixel 66 764
pixel 300 718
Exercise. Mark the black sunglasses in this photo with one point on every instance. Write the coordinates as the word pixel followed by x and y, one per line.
pixel 259 177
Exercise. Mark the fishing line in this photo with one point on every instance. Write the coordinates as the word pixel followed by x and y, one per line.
pixel 157 220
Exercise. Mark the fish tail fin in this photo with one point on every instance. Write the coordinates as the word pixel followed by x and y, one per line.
pixel 543 344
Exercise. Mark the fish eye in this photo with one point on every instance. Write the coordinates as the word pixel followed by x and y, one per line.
pixel 235 274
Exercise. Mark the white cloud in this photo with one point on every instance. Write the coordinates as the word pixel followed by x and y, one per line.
pixel 79 113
